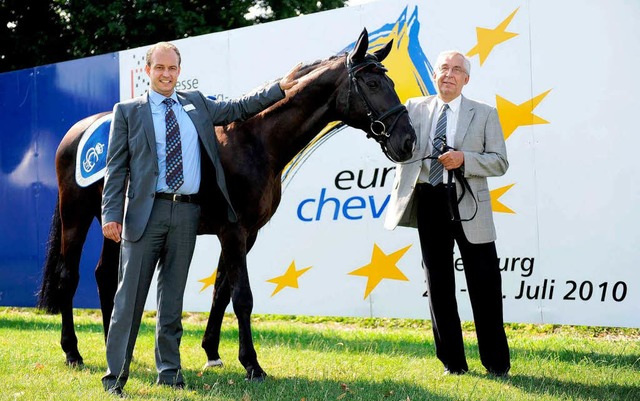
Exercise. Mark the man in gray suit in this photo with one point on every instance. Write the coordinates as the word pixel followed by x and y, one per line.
pixel 150 201
pixel 463 136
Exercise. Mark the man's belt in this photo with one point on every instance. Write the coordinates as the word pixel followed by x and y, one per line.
pixel 194 198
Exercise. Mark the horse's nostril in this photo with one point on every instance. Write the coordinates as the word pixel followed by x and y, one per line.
pixel 409 145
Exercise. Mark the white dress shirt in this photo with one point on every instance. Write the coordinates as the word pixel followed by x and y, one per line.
pixel 452 123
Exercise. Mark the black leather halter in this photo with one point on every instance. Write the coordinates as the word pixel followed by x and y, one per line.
pixel 377 129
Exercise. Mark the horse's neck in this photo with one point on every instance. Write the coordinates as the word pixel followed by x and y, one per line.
pixel 303 114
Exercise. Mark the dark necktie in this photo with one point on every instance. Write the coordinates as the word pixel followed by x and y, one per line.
pixel 173 148
pixel 440 139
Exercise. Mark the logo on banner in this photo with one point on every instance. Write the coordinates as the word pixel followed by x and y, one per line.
pixel 407 66
pixel 139 80
pixel 412 74
pixel 91 157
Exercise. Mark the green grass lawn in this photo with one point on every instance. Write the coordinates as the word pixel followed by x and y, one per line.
pixel 323 359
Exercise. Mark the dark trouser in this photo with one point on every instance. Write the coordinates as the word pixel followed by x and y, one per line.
pixel 168 241
pixel 437 234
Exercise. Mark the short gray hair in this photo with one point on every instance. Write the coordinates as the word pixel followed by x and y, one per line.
pixel 446 53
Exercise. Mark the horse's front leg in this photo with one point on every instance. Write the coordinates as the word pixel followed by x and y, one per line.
pixel 221 298
pixel 243 306
pixel 234 248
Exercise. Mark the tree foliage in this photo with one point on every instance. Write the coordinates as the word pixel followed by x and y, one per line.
pixel 36 32
pixel 279 9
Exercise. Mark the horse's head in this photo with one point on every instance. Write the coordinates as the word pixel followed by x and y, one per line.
pixel 372 104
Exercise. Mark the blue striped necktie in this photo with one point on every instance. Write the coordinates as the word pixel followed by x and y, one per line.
pixel 440 139
pixel 175 178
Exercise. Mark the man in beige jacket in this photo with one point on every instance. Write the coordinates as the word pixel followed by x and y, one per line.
pixel 464 137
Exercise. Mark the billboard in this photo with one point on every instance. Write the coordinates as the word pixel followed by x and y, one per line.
pixel 565 211
pixel 38 106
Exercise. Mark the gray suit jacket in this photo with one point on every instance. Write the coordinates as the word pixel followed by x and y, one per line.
pixel 132 162
pixel 479 136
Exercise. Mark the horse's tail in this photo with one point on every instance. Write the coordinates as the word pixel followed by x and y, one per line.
pixel 49 296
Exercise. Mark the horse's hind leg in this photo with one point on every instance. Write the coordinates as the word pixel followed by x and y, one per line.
pixel 221 299
pixel 72 240
pixel 68 284
pixel 107 280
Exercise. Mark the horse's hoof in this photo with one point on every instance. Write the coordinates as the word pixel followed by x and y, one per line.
pixel 256 376
pixel 75 363
pixel 216 363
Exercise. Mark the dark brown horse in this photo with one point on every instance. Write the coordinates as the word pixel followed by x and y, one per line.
pixel 352 88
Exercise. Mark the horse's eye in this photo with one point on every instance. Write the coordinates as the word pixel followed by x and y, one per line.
pixel 372 84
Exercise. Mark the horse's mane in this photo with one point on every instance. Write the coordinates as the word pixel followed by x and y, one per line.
pixel 302 72
pixel 306 69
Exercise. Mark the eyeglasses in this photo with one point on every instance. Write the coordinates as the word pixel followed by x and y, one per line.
pixel 456 70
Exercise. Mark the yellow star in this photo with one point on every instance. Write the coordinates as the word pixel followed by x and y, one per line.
pixel 381 266
pixel 513 115
pixel 289 279
pixel 496 205
pixel 489 38
pixel 209 281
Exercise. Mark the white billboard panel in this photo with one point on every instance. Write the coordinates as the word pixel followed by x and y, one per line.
pixel 565 211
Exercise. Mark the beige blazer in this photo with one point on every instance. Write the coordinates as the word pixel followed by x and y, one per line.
pixel 479 136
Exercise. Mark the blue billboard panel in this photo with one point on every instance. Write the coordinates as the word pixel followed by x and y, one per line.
pixel 37 107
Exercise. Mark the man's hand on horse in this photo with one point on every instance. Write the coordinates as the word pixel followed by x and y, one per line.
pixel 289 80
pixel 112 230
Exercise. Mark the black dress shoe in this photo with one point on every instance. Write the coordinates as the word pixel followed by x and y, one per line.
pixel 177 386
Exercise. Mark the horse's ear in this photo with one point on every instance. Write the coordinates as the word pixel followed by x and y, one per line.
pixel 360 49
pixel 384 52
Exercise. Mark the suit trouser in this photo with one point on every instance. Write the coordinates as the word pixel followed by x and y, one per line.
pixel 168 242
pixel 437 233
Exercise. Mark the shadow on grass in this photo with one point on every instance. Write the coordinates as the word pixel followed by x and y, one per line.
pixel 223 383
pixel 46 322
pixel 228 383
pixel 389 344
pixel 329 340
pixel 631 361
pixel 569 389
pixel 314 338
